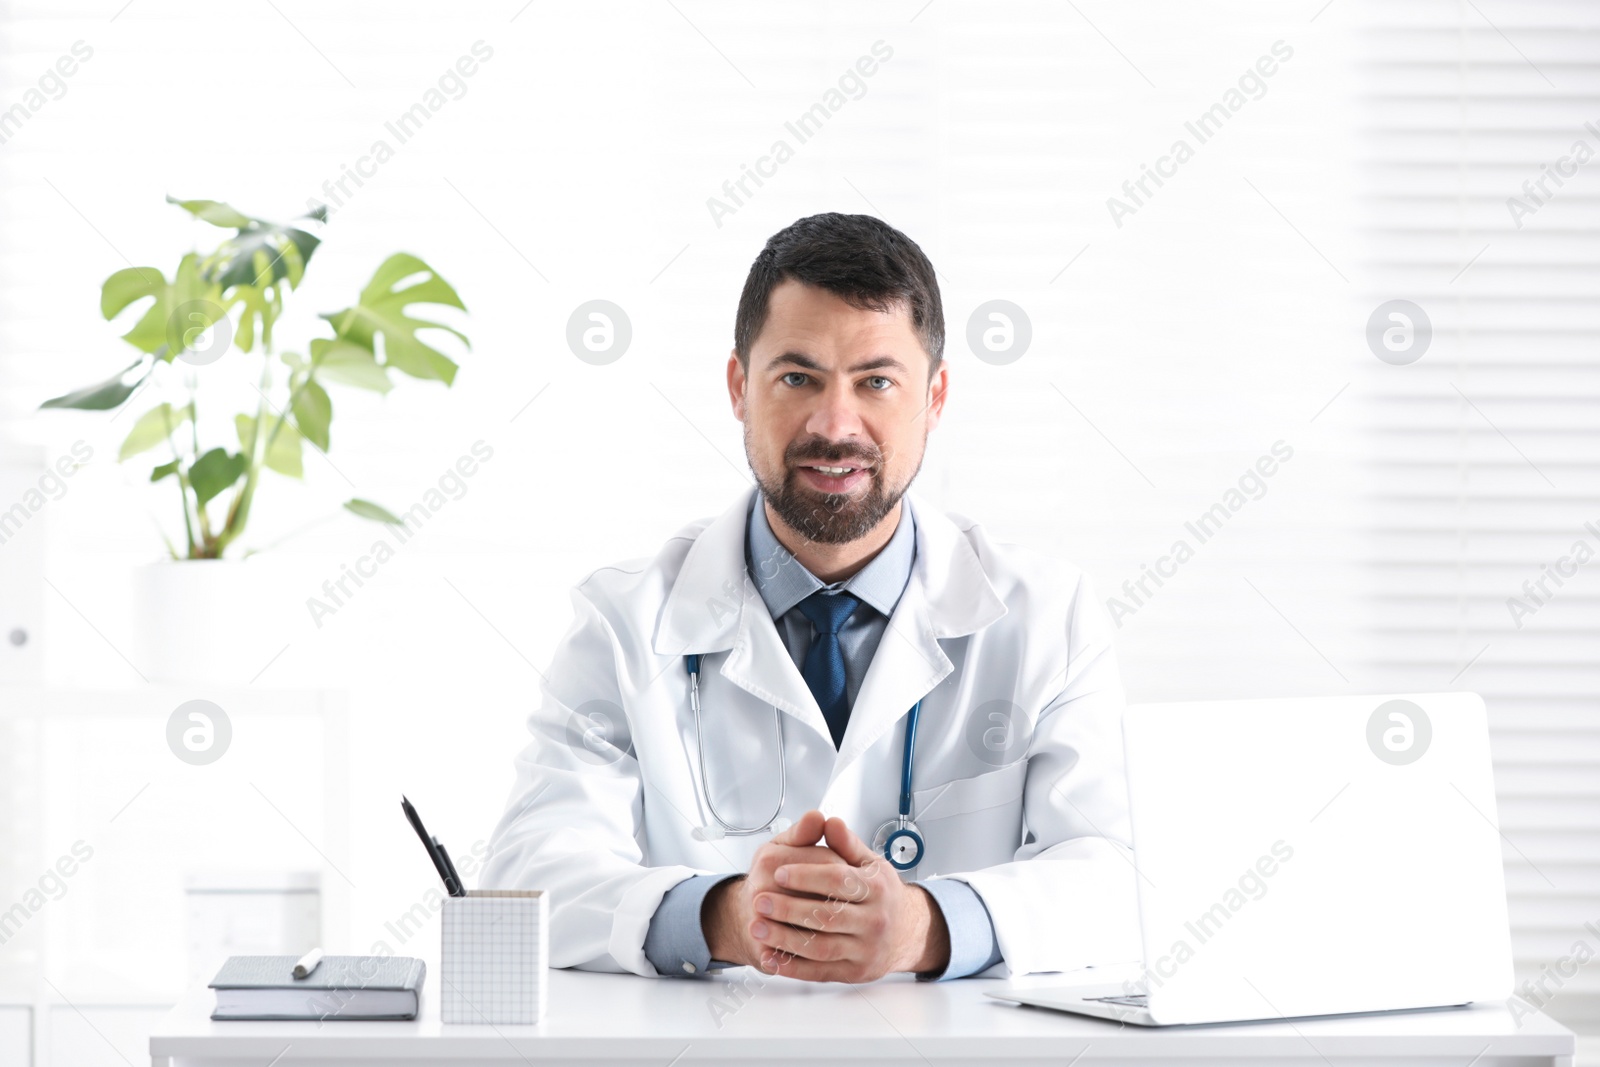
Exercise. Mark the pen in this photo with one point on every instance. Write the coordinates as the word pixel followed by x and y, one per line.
pixel 454 882
pixel 308 963
pixel 451 886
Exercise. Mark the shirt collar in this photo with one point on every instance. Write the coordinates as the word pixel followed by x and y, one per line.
pixel 783 581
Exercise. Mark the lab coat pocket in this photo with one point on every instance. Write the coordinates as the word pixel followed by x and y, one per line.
pixel 971 823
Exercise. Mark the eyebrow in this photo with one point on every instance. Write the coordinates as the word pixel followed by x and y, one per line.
pixel 800 359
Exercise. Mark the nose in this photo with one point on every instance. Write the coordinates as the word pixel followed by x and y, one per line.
pixel 835 418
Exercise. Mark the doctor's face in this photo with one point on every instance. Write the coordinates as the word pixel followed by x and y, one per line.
pixel 837 406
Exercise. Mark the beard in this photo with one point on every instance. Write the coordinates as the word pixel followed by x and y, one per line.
pixel 830 518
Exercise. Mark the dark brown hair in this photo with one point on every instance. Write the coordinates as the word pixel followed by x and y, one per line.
pixel 864 260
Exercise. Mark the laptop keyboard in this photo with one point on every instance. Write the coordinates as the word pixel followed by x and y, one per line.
pixel 1135 1000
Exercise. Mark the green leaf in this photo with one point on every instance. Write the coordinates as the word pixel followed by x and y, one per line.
pixel 283 452
pixel 166 470
pixel 249 266
pixel 259 307
pixel 153 427
pixel 312 413
pixel 191 306
pixel 215 472
pixel 125 287
pixel 175 307
pixel 350 364
pixel 158 330
pixel 260 255
pixel 368 510
pixel 128 285
pixel 213 211
pixel 381 311
pixel 283 455
pixel 102 397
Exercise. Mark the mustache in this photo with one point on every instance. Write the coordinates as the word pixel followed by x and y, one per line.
pixel 833 454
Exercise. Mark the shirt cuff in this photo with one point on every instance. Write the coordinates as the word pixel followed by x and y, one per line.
pixel 973 945
pixel 676 942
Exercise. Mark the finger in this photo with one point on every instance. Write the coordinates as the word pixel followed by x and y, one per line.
pixel 809 970
pixel 807 944
pixel 772 857
pixel 777 856
pixel 807 830
pixel 811 913
pixel 825 880
pixel 844 841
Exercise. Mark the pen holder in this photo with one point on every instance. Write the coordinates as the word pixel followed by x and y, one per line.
pixel 494 958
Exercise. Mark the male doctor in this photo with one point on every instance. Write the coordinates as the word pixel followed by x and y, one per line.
pixel 823 606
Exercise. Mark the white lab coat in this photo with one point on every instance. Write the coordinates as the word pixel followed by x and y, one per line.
pixel 608 792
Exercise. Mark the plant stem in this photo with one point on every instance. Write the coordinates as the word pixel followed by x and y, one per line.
pixel 194 416
pixel 194 436
pixel 183 485
pixel 239 508
pixel 288 406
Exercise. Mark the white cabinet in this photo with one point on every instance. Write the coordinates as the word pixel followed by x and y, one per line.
pixel 16 1036
pixel 103 825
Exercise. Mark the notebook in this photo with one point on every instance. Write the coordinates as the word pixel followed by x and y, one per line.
pixel 342 987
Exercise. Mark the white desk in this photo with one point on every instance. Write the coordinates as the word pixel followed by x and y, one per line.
pixel 597 1020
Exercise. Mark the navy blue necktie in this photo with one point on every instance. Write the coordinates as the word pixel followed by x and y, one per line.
pixel 824 666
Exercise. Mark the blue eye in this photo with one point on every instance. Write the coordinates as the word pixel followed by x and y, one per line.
pixel 880 378
pixel 793 374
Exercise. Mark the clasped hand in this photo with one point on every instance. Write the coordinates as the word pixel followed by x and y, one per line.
pixel 819 905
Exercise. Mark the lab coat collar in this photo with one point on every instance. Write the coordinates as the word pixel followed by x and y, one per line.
pixel 714 607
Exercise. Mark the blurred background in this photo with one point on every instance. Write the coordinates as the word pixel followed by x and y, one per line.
pixel 1361 238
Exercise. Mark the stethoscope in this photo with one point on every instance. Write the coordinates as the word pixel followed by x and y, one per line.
pixel 897 839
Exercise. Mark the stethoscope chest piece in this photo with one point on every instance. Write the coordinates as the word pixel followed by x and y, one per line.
pixel 900 842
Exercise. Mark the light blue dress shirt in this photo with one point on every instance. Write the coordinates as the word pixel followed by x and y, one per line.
pixel 676 943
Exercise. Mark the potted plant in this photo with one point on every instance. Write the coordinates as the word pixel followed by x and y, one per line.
pixel 229 299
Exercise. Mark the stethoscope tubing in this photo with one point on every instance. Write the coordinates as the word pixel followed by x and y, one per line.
pixel 692 662
pixel 905 763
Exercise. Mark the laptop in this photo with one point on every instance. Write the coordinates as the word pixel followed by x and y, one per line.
pixel 1308 856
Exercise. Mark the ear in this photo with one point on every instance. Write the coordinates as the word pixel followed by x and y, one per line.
pixel 938 389
pixel 736 385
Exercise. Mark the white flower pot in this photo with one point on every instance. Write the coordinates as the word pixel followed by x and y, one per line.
pixel 205 621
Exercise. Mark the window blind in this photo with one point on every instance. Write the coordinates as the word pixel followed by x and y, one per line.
pixel 1481 200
